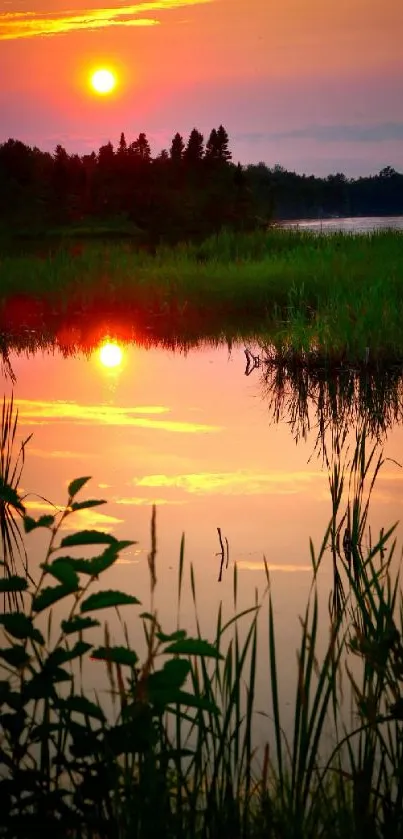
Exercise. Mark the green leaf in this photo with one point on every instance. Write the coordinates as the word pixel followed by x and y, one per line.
pixel 10 496
pixel 20 626
pixel 172 675
pixel 75 486
pixel 15 656
pixel 179 635
pixel 77 624
pixel 84 505
pixel 200 702
pixel 105 599
pixel 61 655
pixel 193 646
pixel 43 521
pixel 97 564
pixel 13 583
pixel 88 537
pixel 119 655
pixel 82 705
pixel 63 571
pixel 50 595
pixel 41 686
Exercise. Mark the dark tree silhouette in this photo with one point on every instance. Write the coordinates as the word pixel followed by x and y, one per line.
pixel 177 148
pixel 184 193
pixel 194 150
pixel 140 148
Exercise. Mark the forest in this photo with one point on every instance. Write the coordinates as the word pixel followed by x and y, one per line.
pixel 188 191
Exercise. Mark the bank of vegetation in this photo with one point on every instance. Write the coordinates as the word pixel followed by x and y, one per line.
pixel 321 299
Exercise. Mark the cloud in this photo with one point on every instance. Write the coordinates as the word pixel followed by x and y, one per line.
pixel 38 412
pixel 376 133
pixel 16 25
pixel 255 565
pixel 233 483
pixel 136 501
pixel 90 519
pixel 58 455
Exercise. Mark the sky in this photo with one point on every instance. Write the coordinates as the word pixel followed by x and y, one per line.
pixel 316 87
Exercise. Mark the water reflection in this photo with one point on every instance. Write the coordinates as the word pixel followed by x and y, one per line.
pixel 313 397
pixel 110 354
pixel 189 435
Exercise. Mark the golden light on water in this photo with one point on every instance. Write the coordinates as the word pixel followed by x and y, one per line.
pixel 103 81
pixel 110 354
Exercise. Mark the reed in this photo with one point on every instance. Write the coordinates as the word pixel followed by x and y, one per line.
pixel 331 297
pixel 178 757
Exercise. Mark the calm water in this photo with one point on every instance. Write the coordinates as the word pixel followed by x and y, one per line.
pixel 212 448
pixel 350 225
pixel 197 437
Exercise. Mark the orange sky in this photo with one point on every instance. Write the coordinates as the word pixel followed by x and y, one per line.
pixel 314 86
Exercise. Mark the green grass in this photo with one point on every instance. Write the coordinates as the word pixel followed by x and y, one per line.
pixel 335 297
pixel 178 758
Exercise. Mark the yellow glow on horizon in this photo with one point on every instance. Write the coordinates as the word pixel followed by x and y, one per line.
pixel 103 81
pixel 110 355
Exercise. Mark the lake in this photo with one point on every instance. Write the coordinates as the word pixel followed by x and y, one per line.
pixel 215 439
pixel 194 435
pixel 349 225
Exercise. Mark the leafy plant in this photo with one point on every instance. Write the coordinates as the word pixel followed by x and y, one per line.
pixel 68 767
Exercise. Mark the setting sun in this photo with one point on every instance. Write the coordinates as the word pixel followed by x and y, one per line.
pixel 110 355
pixel 103 81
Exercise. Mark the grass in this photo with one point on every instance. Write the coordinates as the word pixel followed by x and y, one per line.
pixel 335 297
pixel 178 757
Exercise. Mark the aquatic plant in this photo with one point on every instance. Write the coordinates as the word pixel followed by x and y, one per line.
pixel 317 299
pixel 176 756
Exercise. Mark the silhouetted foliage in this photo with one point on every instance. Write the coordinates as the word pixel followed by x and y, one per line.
pixel 189 191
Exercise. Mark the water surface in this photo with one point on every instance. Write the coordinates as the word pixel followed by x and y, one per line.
pixel 355 224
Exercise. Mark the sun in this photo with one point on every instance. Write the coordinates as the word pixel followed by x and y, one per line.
pixel 110 355
pixel 103 81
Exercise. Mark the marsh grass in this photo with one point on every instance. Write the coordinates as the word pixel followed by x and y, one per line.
pixel 12 460
pixel 179 757
pixel 337 297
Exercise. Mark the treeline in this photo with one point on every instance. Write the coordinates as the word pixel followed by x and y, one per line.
pixel 189 190
pixel 286 195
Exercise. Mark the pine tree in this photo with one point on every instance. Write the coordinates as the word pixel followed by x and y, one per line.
pixel 194 150
pixel 122 147
pixel 177 148
pixel 141 148
pixel 223 152
pixel 212 146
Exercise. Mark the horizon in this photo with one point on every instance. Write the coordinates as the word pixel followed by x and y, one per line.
pixel 313 88
pixel 154 155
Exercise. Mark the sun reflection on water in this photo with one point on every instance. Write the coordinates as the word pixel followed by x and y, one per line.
pixel 110 354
